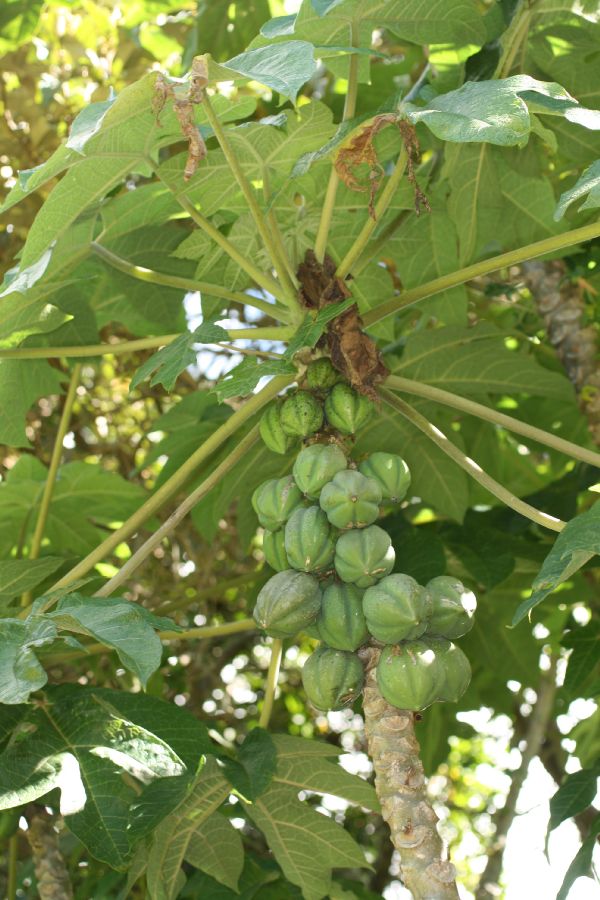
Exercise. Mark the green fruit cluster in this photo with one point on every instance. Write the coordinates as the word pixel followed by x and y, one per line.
pixel 334 563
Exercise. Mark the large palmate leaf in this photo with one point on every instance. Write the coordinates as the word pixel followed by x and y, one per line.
pixel 306 844
pixel 20 670
pixel 126 627
pixel 183 832
pixel 284 67
pixel 20 575
pixel 436 479
pixel 574 547
pixel 79 741
pixel 21 383
pixel 584 643
pixel 498 111
pixel 165 366
pixel 127 140
pixel 435 21
pixel 588 186
pixel 476 361
pixel 84 497
pixel 496 206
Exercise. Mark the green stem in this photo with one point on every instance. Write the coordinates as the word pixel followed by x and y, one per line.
pixel 334 178
pixel 216 591
pixel 270 244
pixel 271 685
pixel 187 284
pixel 491 415
pixel 204 632
pixel 263 279
pixel 385 198
pixel 175 518
pixel 512 258
pixel 175 482
pixel 469 466
pixel 287 258
pixel 13 862
pixel 513 38
pixel 57 450
pixel 268 333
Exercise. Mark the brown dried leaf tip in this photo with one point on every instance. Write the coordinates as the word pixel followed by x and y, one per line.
pixel 359 150
pixel 411 143
pixel 183 107
pixel 353 353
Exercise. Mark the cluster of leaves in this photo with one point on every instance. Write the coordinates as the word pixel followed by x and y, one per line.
pixel 122 245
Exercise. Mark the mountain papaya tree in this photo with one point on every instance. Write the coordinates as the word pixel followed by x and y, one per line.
pixel 300 424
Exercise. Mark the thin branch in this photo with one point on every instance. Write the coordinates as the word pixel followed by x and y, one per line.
pixel 202 633
pixel 535 736
pixel 334 178
pixel 263 279
pixel 216 590
pixel 156 538
pixel 469 466
pixel 387 194
pixel 512 258
pixel 266 333
pixel 13 865
pixel 290 297
pixel 274 227
pixel 271 685
pixel 175 482
pixel 187 284
pixel 57 450
pixel 419 389
pixel 513 39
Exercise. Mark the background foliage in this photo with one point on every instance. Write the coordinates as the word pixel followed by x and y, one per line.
pixel 499 339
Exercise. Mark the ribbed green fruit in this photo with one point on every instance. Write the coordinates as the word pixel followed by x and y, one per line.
pixel 364 555
pixel 351 500
pixel 274 550
pixel 287 603
pixel 346 410
pixel 453 607
pixel 391 473
pixel 271 431
pixel 275 500
pixel 316 465
pixel 341 623
pixel 457 669
pixel 410 675
pixel 301 414
pixel 332 679
pixel 309 540
pixel 396 609
pixel 321 375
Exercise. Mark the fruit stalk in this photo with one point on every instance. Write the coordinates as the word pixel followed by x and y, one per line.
pixel 400 786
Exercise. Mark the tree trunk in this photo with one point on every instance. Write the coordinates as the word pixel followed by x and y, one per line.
pixel 53 881
pixel 400 786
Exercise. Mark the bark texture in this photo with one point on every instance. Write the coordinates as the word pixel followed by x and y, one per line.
pixel 53 881
pixel 401 788
pixel 559 301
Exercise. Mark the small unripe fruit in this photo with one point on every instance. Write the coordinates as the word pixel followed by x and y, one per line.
pixel 316 465
pixel 301 415
pixel 321 375
pixel 351 500
pixel 346 410
pixel 391 473
pixel 271 431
